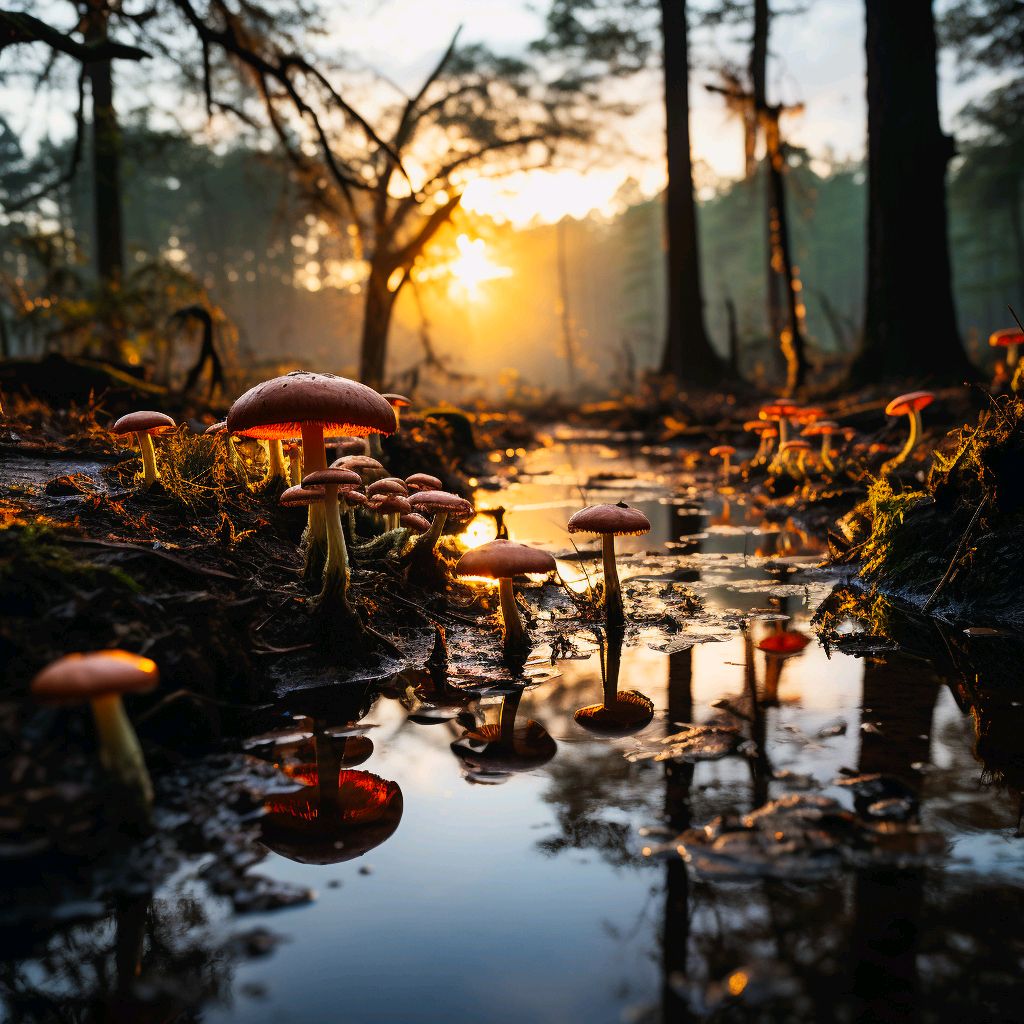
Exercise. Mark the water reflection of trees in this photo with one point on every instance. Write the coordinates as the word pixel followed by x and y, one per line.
pixel 146 959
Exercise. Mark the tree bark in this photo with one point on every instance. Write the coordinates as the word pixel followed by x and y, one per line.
pixel 688 355
pixel 910 329
pixel 106 171
pixel 377 311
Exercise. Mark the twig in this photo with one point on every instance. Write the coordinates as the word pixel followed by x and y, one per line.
pixel 956 557
pixel 173 559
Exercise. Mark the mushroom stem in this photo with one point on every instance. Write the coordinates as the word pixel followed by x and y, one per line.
pixel 725 467
pixel 783 430
pixel 336 567
pixel 611 675
pixel 1012 352
pixel 515 631
pixel 614 614
pixel 376 451
pixel 507 715
pixel 148 457
pixel 428 541
pixel 826 455
pixel 120 752
pixel 914 415
pixel 294 467
pixel 275 453
pixel 314 457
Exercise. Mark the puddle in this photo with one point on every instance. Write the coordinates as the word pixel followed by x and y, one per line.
pixel 483 854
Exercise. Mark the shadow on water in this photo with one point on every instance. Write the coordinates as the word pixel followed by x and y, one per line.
pixel 858 800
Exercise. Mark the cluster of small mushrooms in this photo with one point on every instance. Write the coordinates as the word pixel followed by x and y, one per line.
pixel 297 417
pixel 786 433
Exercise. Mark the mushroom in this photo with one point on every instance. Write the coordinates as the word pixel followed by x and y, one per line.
pixel 1009 338
pixel 823 429
pixel 779 412
pixel 311 404
pixel 294 453
pixel 501 560
pixel 611 521
pixel 414 522
pixel 909 405
pixel 391 507
pixel 365 465
pixel 234 459
pixel 423 482
pixel 619 713
pixel 792 456
pixel 144 424
pixel 725 452
pixel 440 504
pixel 398 403
pixel 299 496
pixel 335 578
pixel 494 752
pixel 350 445
pixel 102 678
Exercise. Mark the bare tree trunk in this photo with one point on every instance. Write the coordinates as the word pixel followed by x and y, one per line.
pixel 568 341
pixel 688 355
pixel 910 324
pixel 373 349
pixel 106 168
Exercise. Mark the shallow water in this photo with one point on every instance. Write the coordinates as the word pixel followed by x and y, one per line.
pixel 517 876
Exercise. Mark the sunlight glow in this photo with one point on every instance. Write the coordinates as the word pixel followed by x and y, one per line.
pixel 472 268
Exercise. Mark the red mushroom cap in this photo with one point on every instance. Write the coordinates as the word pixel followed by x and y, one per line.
pixel 788 642
pixel 145 421
pixel 909 402
pixel 780 410
pixel 78 677
pixel 389 485
pixel 1006 337
pixel 622 520
pixel 390 503
pixel 296 496
pixel 276 409
pixel 722 449
pixel 819 427
pixel 502 559
pixel 397 401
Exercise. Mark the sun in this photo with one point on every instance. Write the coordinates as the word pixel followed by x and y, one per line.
pixel 472 267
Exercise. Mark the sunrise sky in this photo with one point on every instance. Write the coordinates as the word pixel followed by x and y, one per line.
pixel 817 58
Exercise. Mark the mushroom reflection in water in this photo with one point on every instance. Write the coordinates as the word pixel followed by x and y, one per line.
pixel 779 645
pixel 338 815
pixel 493 752
pixel 621 713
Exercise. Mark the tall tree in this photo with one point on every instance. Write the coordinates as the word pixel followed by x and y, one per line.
pixel 621 38
pixel 687 355
pixel 910 329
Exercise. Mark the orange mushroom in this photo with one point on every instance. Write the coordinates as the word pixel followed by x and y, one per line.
pixel 909 405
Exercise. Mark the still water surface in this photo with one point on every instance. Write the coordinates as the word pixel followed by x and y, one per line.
pixel 518 887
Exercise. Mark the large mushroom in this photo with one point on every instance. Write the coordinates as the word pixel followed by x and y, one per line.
pixel 310 405
pixel 144 424
pixel 102 678
pixel 611 521
pixel 909 405
pixel 502 560
pixel 335 579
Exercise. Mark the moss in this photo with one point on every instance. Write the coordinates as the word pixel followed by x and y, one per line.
pixel 961 535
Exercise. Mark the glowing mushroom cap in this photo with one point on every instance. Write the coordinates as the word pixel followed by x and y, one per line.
pixel 79 677
pixel 276 409
pixel 722 449
pixel 389 485
pixel 819 428
pixel 780 410
pixel 1006 337
pixel 757 426
pixel 397 401
pixel 415 522
pixel 423 482
pixel 346 479
pixel 429 502
pixel 910 402
pixel 620 520
pixel 297 496
pixel 503 559
pixel 808 414
pixel 145 421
